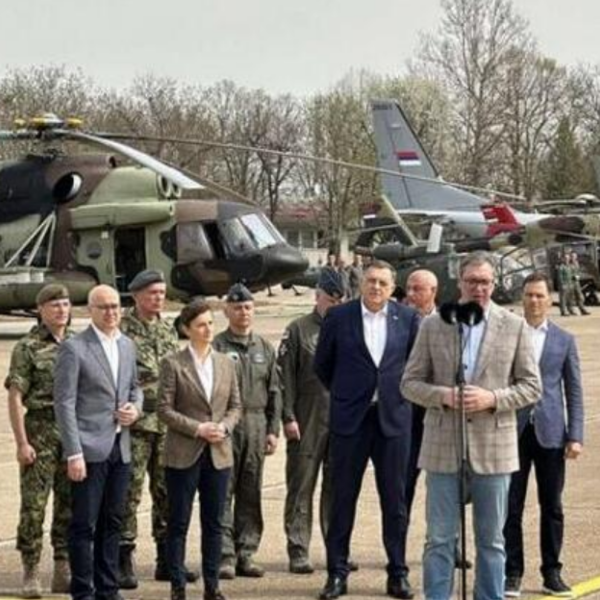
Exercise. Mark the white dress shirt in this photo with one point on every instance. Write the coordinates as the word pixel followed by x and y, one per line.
pixel 111 351
pixel 538 335
pixel 206 371
pixel 472 338
pixel 375 331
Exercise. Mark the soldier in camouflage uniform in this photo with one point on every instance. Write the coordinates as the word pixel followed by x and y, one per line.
pixel 39 451
pixel 154 339
pixel 254 437
pixel 576 282
pixel 306 423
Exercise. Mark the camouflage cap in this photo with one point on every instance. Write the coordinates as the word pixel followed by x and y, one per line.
pixel 50 292
pixel 145 278
pixel 239 293
pixel 332 283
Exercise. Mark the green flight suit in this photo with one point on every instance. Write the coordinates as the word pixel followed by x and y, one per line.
pixel 306 401
pixel 576 285
pixel 565 289
pixel 153 341
pixel 256 370
pixel 32 373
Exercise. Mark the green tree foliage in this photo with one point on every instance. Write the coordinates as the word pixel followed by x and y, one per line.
pixel 568 172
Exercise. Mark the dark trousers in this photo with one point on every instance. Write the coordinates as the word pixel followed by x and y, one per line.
pixel 98 506
pixel 182 485
pixel 550 476
pixel 413 471
pixel 348 458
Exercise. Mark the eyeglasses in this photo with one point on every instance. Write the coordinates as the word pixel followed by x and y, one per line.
pixel 483 283
pixel 107 307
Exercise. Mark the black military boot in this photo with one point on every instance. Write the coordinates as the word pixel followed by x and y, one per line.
pixel 127 578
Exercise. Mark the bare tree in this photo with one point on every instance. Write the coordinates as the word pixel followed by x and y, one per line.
pixel 468 56
pixel 534 99
pixel 336 128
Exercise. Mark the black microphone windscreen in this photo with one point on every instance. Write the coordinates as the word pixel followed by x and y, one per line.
pixel 470 313
pixel 449 313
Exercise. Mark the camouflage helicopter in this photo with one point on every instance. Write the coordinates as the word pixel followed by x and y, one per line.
pixel 82 219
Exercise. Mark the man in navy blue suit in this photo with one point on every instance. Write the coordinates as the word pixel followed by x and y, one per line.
pixel 360 357
pixel 546 439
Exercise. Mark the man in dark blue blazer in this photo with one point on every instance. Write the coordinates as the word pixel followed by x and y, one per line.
pixel 360 357
pixel 549 432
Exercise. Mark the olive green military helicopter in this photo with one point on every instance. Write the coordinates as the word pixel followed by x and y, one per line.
pixel 83 219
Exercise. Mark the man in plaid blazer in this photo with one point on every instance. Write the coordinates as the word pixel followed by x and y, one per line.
pixel 501 376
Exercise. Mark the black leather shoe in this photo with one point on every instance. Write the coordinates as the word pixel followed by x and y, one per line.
pixel 214 594
pixel 460 563
pixel 399 587
pixel 334 588
pixel 177 593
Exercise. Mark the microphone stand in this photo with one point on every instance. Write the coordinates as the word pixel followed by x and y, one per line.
pixel 462 473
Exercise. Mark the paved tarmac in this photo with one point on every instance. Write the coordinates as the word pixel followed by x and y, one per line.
pixel 581 554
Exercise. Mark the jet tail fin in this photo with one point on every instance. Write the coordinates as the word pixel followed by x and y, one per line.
pixel 399 149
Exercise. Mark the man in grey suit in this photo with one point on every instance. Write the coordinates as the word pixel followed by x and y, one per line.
pixel 96 399
pixel 549 432
pixel 501 376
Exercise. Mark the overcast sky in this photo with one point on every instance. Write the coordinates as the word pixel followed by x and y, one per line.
pixel 297 46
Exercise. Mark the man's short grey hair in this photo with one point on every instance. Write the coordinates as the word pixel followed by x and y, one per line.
pixel 476 259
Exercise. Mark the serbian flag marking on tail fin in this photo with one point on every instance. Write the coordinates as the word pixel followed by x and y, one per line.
pixel 408 158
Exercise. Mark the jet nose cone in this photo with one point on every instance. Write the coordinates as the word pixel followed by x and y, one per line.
pixel 284 262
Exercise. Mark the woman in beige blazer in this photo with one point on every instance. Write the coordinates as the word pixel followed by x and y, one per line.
pixel 199 402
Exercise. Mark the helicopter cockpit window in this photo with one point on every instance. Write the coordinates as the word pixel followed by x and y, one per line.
pixel 261 231
pixel 236 236
pixel 192 243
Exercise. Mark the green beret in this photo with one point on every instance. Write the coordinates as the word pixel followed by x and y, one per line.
pixel 50 292
pixel 145 278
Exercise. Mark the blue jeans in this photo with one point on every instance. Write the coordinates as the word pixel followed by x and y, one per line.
pixel 489 496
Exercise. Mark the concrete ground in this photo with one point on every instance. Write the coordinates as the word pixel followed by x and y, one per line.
pixel 581 554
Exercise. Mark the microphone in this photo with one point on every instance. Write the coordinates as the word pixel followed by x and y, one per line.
pixel 449 312
pixel 469 313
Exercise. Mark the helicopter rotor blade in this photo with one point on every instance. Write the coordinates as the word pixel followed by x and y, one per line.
pixel 141 158
pixel 8 135
pixel 308 158
pixel 212 186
